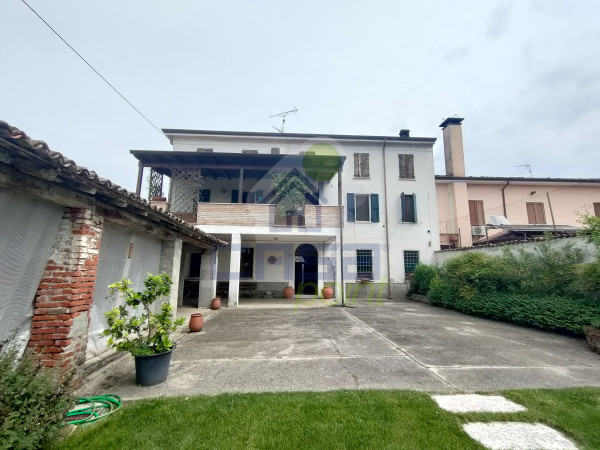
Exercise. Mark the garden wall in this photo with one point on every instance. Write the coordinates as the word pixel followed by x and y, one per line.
pixel 496 250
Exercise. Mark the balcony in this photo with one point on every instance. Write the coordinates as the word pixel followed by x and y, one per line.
pixel 257 215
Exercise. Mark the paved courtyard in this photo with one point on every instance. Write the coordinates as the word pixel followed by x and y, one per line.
pixel 391 345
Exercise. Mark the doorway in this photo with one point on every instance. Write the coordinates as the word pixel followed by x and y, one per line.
pixel 306 269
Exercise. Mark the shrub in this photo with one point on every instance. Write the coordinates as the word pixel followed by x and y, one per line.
pixel 32 402
pixel 422 277
pixel 442 293
pixel 587 283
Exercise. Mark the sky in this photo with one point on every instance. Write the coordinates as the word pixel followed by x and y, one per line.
pixel 524 74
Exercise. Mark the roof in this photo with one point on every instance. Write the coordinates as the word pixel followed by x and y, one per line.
pixel 171 132
pixel 518 180
pixel 505 243
pixel 21 153
pixel 542 228
pixel 227 165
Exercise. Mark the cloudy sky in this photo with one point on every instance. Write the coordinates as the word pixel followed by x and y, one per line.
pixel 525 75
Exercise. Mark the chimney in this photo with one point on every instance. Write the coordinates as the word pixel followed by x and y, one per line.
pixel 404 133
pixel 453 146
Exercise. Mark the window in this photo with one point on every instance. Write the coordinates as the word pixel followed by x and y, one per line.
pixel 364 264
pixel 275 151
pixel 204 150
pixel 361 165
pixel 476 212
pixel 408 206
pixel 253 152
pixel 535 213
pixel 363 207
pixel 204 196
pixel 407 166
pixel 411 259
pixel 247 262
pixel 597 209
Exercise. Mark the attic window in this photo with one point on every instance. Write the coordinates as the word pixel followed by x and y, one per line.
pixel 253 152
pixel 275 151
pixel 204 150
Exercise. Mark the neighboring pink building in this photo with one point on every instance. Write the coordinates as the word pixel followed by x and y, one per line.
pixel 465 203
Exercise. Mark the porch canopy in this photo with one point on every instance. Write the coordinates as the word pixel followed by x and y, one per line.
pixel 228 165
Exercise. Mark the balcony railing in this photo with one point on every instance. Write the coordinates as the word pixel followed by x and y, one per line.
pixel 250 214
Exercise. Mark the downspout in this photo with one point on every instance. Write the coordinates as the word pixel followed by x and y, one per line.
pixel 503 198
pixel 343 288
pixel 387 232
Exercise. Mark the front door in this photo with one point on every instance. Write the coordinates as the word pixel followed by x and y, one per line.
pixel 306 269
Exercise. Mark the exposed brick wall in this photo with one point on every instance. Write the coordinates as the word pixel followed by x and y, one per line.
pixel 250 214
pixel 64 296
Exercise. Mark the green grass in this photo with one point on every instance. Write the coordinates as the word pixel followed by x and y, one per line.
pixel 332 420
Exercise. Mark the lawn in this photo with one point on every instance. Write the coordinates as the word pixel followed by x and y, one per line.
pixel 341 419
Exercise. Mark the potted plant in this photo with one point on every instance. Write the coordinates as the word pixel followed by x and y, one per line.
pixel 288 292
pixel 145 335
pixel 327 292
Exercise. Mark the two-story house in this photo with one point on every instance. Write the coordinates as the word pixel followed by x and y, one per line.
pixel 303 210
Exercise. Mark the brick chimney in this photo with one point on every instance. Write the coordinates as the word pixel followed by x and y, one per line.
pixel 453 146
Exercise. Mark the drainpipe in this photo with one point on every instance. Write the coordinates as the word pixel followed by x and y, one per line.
pixel 341 235
pixel 387 228
pixel 503 198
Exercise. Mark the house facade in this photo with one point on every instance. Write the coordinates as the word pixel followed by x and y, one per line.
pixel 305 210
pixel 471 208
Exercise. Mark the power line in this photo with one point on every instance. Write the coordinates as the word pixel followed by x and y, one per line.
pixel 97 73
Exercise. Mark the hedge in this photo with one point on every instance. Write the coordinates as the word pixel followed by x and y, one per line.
pixel 547 312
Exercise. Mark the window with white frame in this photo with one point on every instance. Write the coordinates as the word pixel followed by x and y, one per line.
pixel 363 207
pixel 364 264
pixel 411 259
pixel 361 165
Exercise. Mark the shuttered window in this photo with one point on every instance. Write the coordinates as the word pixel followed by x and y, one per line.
pixel 535 213
pixel 407 166
pixel 361 165
pixel 363 207
pixel 408 206
pixel 476 212
pixel 597 209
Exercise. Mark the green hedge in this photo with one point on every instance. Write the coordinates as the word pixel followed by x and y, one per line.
pixel 422 278
pixel 548 312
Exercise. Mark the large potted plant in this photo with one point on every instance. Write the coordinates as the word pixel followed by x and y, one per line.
pixel 146 335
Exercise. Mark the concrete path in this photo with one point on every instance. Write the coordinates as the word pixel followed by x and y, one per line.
pixel 389 345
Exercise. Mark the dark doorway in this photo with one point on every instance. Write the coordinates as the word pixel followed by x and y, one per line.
pixel 306 269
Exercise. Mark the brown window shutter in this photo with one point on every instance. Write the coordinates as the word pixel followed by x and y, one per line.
pixel 476 212
pixel 597 209
pixel 365 164
pixel 356 165
pixel 531 213
pixel 539 213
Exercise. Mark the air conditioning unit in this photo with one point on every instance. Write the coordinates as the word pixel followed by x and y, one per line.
pixel 478 230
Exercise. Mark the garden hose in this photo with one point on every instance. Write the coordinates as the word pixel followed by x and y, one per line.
pixel 90 409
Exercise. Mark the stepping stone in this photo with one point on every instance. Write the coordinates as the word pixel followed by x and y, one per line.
pixel 517 436
pixel 462 403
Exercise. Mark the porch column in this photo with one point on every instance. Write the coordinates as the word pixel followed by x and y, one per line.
pixel 170 263
pixel 208 278
pixel 241 186
pixel 234 270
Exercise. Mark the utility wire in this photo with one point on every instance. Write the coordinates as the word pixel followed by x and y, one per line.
pixel 97 73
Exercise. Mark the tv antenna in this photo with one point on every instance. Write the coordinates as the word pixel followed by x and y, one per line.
pixel 528 167
pixel 283 115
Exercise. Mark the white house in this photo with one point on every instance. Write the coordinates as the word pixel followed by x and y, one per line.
pixel 291 219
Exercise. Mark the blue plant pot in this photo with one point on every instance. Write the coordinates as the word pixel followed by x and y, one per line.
pixel 152 369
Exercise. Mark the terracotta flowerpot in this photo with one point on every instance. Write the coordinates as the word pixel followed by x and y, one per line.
pixel 196 322
pixel 327 292
pixel 288 292
pixel 216 303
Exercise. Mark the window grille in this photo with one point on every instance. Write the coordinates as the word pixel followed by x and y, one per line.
pixel 364 264
pixel 411 259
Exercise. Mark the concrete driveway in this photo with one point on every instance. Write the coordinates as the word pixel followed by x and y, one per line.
pixel 391 345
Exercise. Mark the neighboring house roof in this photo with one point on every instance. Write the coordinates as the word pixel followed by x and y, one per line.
pixel 171 132
pixel 544 228
pixel 518 180
pixel 35 159
pixel 511 241
pixel 524 232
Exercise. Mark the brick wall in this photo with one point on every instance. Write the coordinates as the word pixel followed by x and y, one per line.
pixel 64 296
pixel 250 214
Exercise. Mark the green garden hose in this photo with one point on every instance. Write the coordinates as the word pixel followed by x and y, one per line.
pixel 90 409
